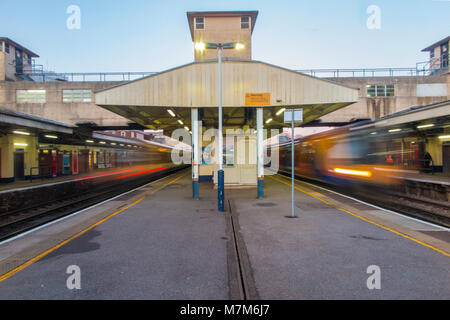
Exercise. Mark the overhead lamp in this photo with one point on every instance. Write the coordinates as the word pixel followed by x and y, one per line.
pixel 239 46
pixel 180 122
pixel 200 46
pixel 281 111
pixel 374 133
pixel 395 130
pixel 113 144
pixel 102 142
pixel 444 137
pixel 269 121
pixel 22 133
pixel 51 137
pixel 21 144
pixel 187 129
pixel 171 113
pixel 89 141
pixel 426 126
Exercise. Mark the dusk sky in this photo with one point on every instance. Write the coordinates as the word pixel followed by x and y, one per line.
pixel 151 35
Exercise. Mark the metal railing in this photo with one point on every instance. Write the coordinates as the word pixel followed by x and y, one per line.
pixel 86 76
pixel 365 72
pixel 41 176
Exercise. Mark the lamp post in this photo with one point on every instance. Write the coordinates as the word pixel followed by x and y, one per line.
pixel 201 46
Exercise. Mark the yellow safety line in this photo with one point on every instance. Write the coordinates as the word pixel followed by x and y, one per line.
pixel 43 254
pixel 367 220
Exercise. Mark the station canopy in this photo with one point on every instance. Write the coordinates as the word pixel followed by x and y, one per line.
pixel 148 100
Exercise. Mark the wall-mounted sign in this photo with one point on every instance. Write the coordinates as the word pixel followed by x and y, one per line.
pixel 257 99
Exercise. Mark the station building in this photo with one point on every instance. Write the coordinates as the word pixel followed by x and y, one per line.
pixel 71 98
pixel 68 97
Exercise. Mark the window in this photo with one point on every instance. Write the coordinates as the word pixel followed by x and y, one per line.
pixel 1 46
pixel 30 96
pixel 77 96
pixel 6 47
pixel 432 53
pixel 245 22
pixel 123 133
pixel 29 60
pixel 200 23
pixel 380 90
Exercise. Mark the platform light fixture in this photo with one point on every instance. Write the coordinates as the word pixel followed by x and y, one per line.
pixel 281 111
pixel 102 142
pixel 51 136
pixel 374 133
pixel 395 130
pixel 444 137
pixel 425 126
pixel 20 144
pixel 187 129
pixel 114 144
pixel 22 133
pixel 90 141
pixel 171 113
pixel 269 121
pixel 201 46
pixel 180 122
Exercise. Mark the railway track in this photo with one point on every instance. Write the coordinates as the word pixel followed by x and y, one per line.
pixel 429 211
pixel 19 221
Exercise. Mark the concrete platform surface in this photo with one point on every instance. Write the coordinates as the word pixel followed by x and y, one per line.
pixel 158 243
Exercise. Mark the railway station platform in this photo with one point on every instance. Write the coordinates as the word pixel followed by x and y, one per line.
pixel 158 243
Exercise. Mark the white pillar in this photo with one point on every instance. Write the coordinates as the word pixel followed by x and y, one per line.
pixel 195 152
pixel 260 150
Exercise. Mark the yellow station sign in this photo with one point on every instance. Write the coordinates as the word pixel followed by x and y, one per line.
pixel 257 99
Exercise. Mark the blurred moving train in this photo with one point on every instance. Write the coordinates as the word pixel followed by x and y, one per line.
pixel 412 142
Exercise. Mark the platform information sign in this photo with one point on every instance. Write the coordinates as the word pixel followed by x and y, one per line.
pixel 257 99
pixel 293 116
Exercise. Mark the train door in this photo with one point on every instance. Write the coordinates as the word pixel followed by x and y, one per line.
pixel 19 165
pixel 446 158
pixel 45 162
pixel 83 161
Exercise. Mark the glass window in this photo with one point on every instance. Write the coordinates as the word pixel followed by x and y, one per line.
pixel 199 23
pixel 77 96
pixel 371 91
pixel 432 53
pixel 245 22
pixel 228 155
pixel 390 91
pixel 1 46
pixel 30 96
pixel 6 47
pixel 380 90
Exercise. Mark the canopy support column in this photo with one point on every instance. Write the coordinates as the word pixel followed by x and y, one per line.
pixel 195 153
pixel 260 151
